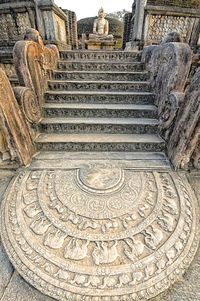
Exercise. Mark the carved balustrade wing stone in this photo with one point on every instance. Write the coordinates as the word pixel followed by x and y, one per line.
pixel 100 232
pixel 14 135
pixel 33 61
pixel 184 141
pixel 169 65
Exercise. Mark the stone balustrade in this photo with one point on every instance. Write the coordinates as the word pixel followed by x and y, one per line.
pixel 21 107
pixel 178 102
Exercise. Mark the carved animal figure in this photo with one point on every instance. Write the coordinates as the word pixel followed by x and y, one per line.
pixel 40 225
pixel 153 237
pixel 149 271
pixel 55 240
pixel 93 281
pixel 109 282
pixel 79 280
pixel 137 277
pixel 179 246
pixel 171 254
pixel 109 225
pixel 57 206
pixel 123 280
pixel 76 250
pixel 32 210
pixel 85 224
pixel 31 184
pixel 30 197
pixel 64 275
pixel 73 218
pixel 170 206
pixel 103 253
pixel 137 248
pixel 166 222
pixel 161 265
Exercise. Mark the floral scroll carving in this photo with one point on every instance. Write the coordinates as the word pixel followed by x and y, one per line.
pixel 33 62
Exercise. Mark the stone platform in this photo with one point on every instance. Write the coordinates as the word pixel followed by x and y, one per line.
pixel 98 229
pixel 100 44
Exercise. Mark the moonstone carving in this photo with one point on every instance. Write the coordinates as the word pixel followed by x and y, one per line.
pixel 100 233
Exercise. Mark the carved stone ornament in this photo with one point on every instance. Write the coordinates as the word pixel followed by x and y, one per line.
pixel 32 61
pixel 98 233
pixel 14 132
pixel 183 144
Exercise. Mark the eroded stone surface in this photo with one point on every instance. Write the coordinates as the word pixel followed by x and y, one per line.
pixel 69 253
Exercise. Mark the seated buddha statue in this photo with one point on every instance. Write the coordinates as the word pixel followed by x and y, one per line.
pixel 101 28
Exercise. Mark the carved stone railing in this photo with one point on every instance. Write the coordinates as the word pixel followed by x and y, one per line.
pixel 178 100
pixel 15 138
pixel 21 107
pixel 184 142
pixel 33 63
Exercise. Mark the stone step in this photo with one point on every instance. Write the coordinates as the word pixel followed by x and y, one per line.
pixel 101 75
pixel 136 160
pixel 99 125
pixel 100 97
pixel 101 55
pixel 100 142
pixel 100 66
pixel 99 110
pixel 99 85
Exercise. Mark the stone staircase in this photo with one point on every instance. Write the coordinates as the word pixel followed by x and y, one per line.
pixel 100 102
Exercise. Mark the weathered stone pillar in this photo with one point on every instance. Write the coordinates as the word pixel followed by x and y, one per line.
pixel 138 22
pixel 127 28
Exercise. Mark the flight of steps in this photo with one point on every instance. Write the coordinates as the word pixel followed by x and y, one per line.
pixel 100 102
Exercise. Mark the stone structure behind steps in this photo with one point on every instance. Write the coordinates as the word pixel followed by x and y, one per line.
pixel 55 26
pixel 153 20
pixel 71 29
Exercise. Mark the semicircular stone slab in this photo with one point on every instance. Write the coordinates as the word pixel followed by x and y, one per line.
pixel 100 233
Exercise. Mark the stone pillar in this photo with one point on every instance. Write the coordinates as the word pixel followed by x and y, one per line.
pixel 72 28
pixel 127 28
pixel 138 23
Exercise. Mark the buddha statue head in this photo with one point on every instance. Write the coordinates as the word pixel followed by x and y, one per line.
pixel 101 13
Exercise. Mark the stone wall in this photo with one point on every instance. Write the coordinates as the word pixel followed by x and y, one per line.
pixel 153 20
pixel 45 16
pixel 71 28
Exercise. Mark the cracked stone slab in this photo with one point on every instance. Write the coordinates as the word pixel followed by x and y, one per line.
pixel 100 233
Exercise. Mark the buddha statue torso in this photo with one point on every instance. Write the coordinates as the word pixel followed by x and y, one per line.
pixel 101 27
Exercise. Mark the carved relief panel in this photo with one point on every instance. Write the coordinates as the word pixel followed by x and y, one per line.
pixel 100 233
pixel 158 26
